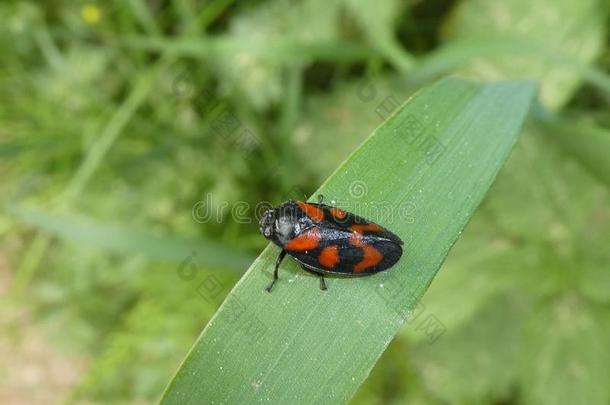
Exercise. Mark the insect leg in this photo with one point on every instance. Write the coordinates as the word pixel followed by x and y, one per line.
pixel 279 259
pixel 320 198
pixel 323 285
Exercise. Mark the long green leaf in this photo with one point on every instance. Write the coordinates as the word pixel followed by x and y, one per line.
pixel 134 241
pixel 529 40
pixel 278 49
pixel 589 144
pixel 422 174
pixel 459 52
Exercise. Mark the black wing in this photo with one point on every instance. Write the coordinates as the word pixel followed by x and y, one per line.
pixel 342 251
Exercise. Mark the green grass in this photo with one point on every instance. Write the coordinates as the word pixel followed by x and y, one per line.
pixel 109 140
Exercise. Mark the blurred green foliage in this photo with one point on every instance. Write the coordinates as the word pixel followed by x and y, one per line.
pixel 111 118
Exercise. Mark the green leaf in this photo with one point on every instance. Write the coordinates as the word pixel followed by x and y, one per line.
pixel 542 210
pixel 477 264
pixel 477 363
pixel 282 49
pixel 553 231
pixel 566 361
pixel 461 52
pixel 338 122
pixel 378 20
pixel 302 344
pixel 589 144
pixel 126 240
pixel 247 58
pixel 561 29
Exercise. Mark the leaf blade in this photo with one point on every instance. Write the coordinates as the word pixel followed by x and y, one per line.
pixel 293 356
pixel 122 239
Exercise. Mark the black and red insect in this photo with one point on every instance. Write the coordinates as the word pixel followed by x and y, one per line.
pixel 329 240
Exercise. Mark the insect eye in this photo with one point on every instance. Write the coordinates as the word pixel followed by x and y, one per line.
pixel 266 224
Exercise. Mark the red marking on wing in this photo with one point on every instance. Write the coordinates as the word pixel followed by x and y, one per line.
pixel 361 228
pixel 371 256
pixel 338 213
pixel 329 256
pixel 313 212
pixel 308 240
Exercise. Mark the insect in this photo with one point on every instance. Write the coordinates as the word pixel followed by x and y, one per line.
pixel 329 240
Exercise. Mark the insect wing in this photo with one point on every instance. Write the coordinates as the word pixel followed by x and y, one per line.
pixel 352 254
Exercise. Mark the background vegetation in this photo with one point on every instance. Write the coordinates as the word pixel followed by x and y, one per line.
pixel 118 118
